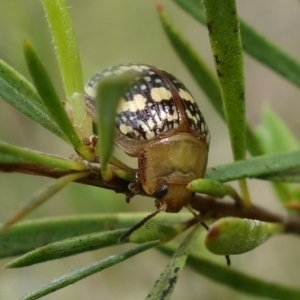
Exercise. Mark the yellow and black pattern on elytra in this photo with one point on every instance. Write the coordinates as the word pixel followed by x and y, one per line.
pixel 195 118
pixel 150 105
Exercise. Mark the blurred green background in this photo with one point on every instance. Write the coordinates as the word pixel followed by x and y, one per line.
pixel 113 32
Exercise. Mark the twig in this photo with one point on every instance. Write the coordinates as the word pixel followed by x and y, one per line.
pixel 207 206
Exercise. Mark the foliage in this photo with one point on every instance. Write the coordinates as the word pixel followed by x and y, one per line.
pixel 70 121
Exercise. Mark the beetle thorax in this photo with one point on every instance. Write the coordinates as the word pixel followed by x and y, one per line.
pixel 167 165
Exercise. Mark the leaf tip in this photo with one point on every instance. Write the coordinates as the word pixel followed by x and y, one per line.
pixel 26 43
pixel 8 266
pixel 159 6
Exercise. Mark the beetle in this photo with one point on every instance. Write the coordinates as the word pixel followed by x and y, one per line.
pixel 159 122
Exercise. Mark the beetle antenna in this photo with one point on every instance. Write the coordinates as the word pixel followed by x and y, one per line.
pixel 206 227
pixel 137 226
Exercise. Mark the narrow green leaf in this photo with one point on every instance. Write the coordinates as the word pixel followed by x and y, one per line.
pixel 164 286
pixel 14 155
pixel 268 53
pixel 197 67
pixel 153 232
pixel 253 143
pixel 224 33
pixel 264 167
pixel 18 92
pixel 274 134
pixel 68 247
pixel 211 187
pixel 127 175
pixel 41 196
pixel 65 44
pixel 201 73
pixel 75 276
pixel 67 53
pixel 229 236
pixel 193 8
pixel 110 91
pixel 237 280
pixel 29 235
pixel 276 137
pixel 255 44
pixel 214 188
pixel 292 176
pixel 50 98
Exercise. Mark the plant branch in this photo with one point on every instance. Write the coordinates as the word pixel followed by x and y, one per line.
pixel 209 207
pixel 117 184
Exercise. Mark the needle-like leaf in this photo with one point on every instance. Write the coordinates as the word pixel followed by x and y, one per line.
pixel 13 155
pixel 110 91
pixel 265 167
pixel 18 92
pixel 51 100
pixel 164 286
pixel 29 235
pixel 75 276
pixel 254 44
pixel 235 279
pixel 67 53
pixel 41 196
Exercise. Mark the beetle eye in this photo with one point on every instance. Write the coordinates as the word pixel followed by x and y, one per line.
pixel 161 192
